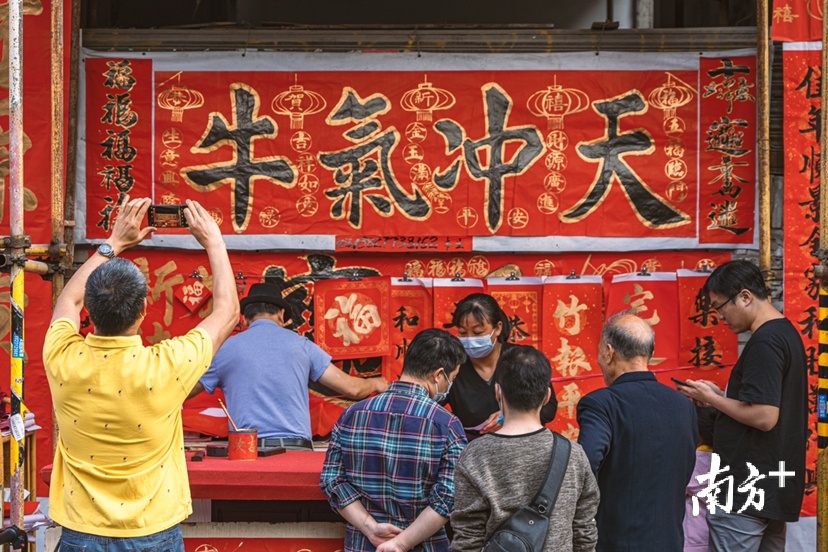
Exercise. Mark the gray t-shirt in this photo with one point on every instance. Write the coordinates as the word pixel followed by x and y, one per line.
pixel 264 373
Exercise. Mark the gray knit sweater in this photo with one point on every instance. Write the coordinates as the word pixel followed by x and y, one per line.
pixel 499 474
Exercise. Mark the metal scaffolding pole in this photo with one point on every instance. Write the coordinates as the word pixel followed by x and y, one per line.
pixel 17 246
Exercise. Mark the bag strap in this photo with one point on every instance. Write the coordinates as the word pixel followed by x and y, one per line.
pixel 544 501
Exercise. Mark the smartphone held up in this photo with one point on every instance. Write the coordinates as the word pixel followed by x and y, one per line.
pixel 167 216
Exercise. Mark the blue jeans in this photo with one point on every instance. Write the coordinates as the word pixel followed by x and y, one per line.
pixel 169 540
pixel 743 533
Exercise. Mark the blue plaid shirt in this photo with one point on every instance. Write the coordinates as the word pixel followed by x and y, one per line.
pixel 396 452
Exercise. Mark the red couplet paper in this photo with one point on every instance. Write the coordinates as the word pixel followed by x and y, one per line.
pixel 411 305
pixel 653 296
pixel 572 319
pixel 352 317
pixel 448 292
pixel 520 299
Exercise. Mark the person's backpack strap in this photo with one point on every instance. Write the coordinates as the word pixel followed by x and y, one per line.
pixel 545 500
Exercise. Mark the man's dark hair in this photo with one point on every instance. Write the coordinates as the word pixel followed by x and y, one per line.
pixel 482 308
pixel 432 349
pixel 114 296
pixel 523 374
pixel 253 310
pixel 734 276
pixel 627 344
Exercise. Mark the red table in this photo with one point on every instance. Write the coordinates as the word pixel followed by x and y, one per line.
pixel 293 475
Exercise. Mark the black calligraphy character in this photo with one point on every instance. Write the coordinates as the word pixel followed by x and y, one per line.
pixel 705 353
pixel 105 221
pixel 728 188
pixel 725 136
pixel 811 282
pixel 730 89
pixel 812 206
pixel 812 83
pixel 811 164
pixel 402 320
pixel 367 165
pixel 243 170
pixel 401 349
pixel 725 217
pixel 518 332
pixel 492 149
pixel 812 242
pixel 809 323
pixel 651 210
pixel 119 177
pixel 812 360
pixel 705 315
pixel 814 123
pixel 116 146
pixel 295 290
pixel 119 75
pixel 118 111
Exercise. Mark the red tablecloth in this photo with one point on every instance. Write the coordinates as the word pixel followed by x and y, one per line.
pixel 293 475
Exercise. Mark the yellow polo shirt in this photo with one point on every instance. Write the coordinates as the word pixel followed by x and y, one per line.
pixel 119 468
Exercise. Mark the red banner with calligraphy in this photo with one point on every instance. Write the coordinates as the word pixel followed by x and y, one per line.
pixel 573 318
pixel 654 297
pixel 521 302
pixel 411 312
pixel 802 71
pixel 386 156
pixel 447 293
pixel 706 343
pixel 352 317
pixel 796 20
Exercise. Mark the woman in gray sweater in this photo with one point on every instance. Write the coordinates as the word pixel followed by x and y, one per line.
pixel 501 472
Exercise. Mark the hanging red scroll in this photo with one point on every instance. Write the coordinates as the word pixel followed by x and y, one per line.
pixel 572 320
pixel 520 299
pixel 706 342
pixel 802 71
pixel 448 292
pixel 796 20
pixel 410 308
pixel 654 297
pixel 568 393
pixel 352 317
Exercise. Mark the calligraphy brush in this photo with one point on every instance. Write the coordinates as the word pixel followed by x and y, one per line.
pixel 235 428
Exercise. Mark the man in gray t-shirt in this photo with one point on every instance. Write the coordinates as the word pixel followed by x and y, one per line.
pixel 264 373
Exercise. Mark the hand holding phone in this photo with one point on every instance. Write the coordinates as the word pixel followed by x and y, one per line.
pixel 680 382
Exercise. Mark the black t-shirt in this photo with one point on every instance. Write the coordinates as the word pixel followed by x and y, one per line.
pixel 771 370
pixel 472 398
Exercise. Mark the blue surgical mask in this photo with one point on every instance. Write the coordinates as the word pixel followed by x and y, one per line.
pixel 441 397
pixel 478 346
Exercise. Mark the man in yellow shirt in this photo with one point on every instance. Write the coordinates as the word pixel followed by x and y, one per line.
pixel 120 479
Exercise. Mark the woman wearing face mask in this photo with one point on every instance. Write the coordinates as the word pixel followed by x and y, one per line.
pixel 483 329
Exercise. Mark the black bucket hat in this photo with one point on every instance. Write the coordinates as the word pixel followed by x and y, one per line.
pixel 267 293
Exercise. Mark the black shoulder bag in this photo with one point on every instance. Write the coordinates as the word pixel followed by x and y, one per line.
pixel 525 530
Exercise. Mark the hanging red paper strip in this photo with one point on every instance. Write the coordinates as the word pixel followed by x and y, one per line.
pixel 447 293
pixel 802 75
pixel 119 138
pixel 572 321
pixel 654 297
pixel 568 393
pixel 796 20
pixel 727 160
pixel 706 342
pixel 520 299
pixel 410 308
pixel 352 317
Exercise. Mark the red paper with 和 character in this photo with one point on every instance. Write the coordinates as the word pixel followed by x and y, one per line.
pixel 352 317
pixel 410 314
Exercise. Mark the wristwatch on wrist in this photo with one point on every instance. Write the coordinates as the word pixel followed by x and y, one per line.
pixel 106 250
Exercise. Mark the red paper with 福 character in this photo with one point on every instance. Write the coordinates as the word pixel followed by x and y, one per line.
pixel 352 317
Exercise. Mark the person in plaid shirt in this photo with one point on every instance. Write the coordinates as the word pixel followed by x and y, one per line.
pixel 389 469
